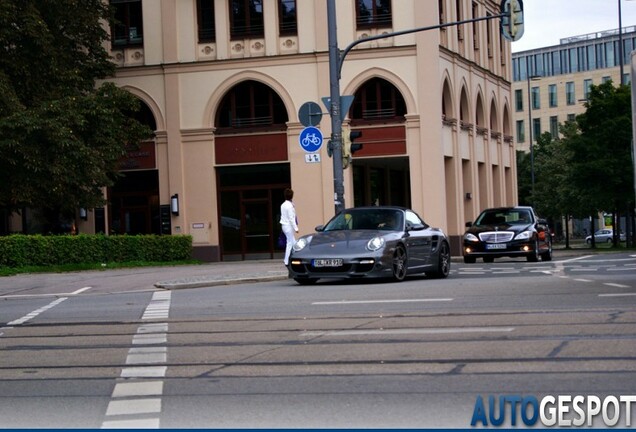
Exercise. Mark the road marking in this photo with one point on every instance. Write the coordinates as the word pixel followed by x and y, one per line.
pixel 132 424
pixel 343 302
pixel 36 312
pixel 133 406
pixel 616 285
pixel 618 295
pixel 144 372
pixel 145 388
pixel 131 398
pixel 159 307
pixel 74 293
pixel 583 280
pixel 575 259
pixel 447 330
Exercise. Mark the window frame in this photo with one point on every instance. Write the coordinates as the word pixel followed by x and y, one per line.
pixel 254 27
pixel 206 34
pixel 124 7
pixel 285 26
pixel 376 20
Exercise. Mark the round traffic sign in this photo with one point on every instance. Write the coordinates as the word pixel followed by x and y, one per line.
pixel 310 114
pixel 310 139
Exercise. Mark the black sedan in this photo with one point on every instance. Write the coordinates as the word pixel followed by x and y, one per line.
pixel 507 232
pixel 376 242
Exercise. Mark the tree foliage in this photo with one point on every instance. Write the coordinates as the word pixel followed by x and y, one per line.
pixel 61 134
pixel 589 168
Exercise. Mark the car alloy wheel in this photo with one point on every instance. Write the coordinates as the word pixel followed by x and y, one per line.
pixel 399 263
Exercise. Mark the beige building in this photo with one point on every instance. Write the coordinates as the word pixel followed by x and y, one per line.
pixel 554 81
pixel 222 82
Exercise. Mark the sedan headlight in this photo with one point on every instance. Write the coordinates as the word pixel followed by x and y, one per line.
pixel 526 235
pixel 375 243
pixel 301 244
pixel 470 237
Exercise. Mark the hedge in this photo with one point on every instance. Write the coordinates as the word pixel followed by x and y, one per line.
pixel 20 250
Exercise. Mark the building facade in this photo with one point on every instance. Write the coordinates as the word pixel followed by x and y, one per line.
pixel 551 84
pixel 222 82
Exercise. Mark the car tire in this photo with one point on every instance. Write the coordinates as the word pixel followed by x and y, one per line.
pixel 547 255
pixel 533 256
pixel 443 262
pixel 469 260
pixel 399 263
pixel 305 281
pixel 609 240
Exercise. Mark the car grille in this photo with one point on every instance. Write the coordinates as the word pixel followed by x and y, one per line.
pixel 496 236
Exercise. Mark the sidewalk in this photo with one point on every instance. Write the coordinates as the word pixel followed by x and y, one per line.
pixel 237 272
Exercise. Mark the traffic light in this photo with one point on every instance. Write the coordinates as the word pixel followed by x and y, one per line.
pixel 349 147
pixel 511 23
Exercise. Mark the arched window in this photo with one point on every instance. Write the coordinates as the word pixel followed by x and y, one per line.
pixel 377 100
pixel 251 105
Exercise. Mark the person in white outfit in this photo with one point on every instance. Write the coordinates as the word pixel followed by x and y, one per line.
pixel 288 222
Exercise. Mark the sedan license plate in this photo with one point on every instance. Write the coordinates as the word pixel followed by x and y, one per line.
pixel 496 246
pixel 333 262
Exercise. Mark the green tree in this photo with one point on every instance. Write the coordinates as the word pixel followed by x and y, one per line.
pixel 61 134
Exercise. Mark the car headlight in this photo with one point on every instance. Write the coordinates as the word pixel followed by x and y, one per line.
pixel 526 235
pixel 470 237
pixel 375 243
pixel 301 244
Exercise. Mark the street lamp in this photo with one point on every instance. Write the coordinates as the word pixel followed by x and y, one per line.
pixel 620 42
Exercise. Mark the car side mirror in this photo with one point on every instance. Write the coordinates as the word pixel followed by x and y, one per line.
pixel 415 227
pixel 469 224
pixel 320 228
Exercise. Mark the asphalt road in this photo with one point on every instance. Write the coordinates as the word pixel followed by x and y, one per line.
pixel 111 350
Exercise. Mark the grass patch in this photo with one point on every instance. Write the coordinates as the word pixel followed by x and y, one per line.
pixel 66 268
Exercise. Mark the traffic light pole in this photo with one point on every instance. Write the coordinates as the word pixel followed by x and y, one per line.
pixel 335 110
pixel 336 59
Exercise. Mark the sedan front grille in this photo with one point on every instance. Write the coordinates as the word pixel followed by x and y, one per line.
pixel 496 236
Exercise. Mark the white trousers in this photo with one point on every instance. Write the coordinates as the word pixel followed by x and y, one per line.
pixel 291 239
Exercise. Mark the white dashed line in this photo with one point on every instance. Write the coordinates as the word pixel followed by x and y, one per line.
pixel 36 312
pixel 583 280
pixel 131 398
pixel 616 285
pixel 618 295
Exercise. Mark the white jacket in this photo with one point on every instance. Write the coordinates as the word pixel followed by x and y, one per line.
pixel 288 215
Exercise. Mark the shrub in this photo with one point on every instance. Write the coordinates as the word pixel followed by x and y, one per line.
pixel 37 250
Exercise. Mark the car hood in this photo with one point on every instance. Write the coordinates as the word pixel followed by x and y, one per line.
pixel 345 239
pixel 476 229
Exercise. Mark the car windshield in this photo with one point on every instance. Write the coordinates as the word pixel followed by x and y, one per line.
pixel 504 216
pixel 367 219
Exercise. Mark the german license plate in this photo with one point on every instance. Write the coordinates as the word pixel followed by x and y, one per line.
pixel 496 246
pixel 332 262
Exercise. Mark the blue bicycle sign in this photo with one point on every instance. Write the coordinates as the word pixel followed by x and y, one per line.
pixel 310 139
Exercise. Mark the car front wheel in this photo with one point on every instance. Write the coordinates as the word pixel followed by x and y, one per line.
pixel 443 262
pixel 399 263
pixel 533 255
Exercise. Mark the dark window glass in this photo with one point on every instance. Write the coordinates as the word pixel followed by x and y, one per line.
pixel 127 28
pixel 246 19
pixel 373 13
pixel 251 105
pixel 205 20
pixel 377 100
pixel 287 17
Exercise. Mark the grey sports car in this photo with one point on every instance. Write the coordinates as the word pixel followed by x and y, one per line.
pixel 378 242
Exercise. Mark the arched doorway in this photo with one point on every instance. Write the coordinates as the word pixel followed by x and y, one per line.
pixel 252 170
pixel 133 201
pixel 381 173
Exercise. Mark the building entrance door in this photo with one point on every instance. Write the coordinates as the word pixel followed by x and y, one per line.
pixel 249 206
